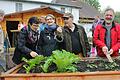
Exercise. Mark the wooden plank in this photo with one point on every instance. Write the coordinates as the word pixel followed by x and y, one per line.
pixel 108 75
pixel 14 69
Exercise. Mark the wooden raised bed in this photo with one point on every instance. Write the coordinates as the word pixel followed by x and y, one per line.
pixel 104 75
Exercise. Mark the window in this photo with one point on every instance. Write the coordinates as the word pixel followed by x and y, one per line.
pixel 19 7
pixel 63 9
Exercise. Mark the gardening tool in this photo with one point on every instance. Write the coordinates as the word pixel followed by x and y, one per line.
pixel 109 57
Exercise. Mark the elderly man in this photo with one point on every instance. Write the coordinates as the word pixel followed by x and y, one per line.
pixel 107 35
pixel 74 37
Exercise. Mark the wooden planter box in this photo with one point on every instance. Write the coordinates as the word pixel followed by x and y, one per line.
pixel 102 75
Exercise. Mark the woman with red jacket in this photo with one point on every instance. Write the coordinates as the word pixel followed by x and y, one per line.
pixel 107 35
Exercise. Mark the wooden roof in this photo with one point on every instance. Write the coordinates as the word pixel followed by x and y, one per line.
pixel 43 9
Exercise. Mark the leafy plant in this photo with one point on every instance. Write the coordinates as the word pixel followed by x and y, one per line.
pixel 48 62
pixel 103 64
pixel 111 66
pixel 32 62
pixel 63 61
pixel 92 66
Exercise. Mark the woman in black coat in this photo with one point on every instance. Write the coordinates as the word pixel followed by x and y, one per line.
pixel 27 41
pixel 47 42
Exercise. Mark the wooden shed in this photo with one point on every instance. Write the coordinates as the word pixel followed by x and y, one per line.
pixel 12 20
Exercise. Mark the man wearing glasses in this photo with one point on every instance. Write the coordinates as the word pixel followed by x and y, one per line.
pixel 74 37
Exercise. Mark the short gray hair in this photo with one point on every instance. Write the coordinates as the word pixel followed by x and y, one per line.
pixel 109 9
pixel 50 15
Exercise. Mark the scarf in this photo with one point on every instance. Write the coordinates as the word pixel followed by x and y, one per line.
pixel 51 27
pixel 33 36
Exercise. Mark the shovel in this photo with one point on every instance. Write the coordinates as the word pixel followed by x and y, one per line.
pixel 109 57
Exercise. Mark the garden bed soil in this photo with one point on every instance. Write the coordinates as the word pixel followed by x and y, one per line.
pixel 88 69
pixel 85 65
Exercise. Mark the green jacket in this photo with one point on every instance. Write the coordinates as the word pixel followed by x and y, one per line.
pixel 67 43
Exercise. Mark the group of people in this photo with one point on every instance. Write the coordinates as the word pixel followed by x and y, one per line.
pixel 33 41
pixel 48 36
pixel 42 38
pixel 72 37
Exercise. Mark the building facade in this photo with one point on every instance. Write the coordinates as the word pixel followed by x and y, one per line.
pixel 16 6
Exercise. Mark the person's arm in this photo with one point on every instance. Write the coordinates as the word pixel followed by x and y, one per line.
pixel 117 45
pixel 21 43
pixel 59 34
pixel 86 41
pixel 96 39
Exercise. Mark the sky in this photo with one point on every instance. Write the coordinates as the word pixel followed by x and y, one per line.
pixel 115 4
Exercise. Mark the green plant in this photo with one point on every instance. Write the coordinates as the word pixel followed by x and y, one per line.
pixel 92 66
pixel 48 62
pixel 32 62
pixel 64 60
pixel 111 66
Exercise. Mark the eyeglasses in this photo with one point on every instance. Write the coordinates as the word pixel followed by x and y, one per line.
pixel 65 18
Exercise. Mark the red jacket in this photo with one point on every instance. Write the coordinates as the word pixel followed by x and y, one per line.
pixel 99 39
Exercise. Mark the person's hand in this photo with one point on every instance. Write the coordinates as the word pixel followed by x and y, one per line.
pixel 105 49
pixel 59 29
pixel 111 51
pixel 33 54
